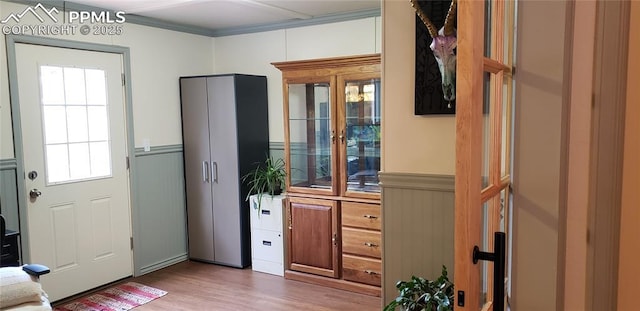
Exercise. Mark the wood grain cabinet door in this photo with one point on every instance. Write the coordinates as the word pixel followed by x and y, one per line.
pixel 313 236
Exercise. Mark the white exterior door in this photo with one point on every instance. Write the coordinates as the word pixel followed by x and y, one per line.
pixel 77 184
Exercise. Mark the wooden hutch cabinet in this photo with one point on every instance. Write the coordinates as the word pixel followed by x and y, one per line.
pixel 332 112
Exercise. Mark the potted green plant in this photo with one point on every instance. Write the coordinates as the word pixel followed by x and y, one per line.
pixel 266 178
pixel 420 294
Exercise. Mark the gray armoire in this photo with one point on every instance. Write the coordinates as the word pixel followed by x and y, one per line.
pixel 225 133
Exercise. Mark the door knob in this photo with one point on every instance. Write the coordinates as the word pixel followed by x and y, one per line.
pixel 34 193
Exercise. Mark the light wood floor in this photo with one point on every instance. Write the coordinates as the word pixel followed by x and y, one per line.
pixel 199 286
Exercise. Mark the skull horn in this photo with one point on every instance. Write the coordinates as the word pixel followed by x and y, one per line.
pixel 450 19
pixel 425 20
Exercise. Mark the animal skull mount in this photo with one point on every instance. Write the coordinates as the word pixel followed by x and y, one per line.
pixel 444 47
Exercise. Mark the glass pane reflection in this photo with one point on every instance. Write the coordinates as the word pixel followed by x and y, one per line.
pixel 310 135
pixel 486 128
pixel 362 100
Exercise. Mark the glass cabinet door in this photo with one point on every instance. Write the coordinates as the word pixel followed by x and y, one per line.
pixel 311 136
pixel 360 136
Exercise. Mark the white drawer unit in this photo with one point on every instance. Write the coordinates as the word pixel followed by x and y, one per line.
pixel 267 243
pixel 269 215
pixel 267 251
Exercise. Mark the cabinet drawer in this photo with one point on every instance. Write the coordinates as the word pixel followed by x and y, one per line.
pixel 361 215
pixel 362 270
pixel 361 242
pixel 270 215
pixel 267 245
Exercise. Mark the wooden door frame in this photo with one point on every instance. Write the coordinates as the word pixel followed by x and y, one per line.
pixel 124 52
pixel 593 161
pixel 468 145
pixel 610 72
pixel 629 270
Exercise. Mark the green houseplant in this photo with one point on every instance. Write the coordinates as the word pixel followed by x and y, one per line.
pixel 266 178
pixel 420 294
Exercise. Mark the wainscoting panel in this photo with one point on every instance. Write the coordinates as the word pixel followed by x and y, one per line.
pixel 8 194
pixel 160 225
pixel 418 220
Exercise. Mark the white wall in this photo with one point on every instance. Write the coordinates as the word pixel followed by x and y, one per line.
pixel 158 58
pixel 254 53
pixel 538 151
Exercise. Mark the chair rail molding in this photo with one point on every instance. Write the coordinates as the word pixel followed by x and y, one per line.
pixel 8 164
pixel 417 181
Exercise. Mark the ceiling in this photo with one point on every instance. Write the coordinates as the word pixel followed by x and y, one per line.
pixel 224 17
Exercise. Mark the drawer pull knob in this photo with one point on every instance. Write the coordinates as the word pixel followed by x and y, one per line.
pixel 370 216
pixel 266 243
pixel 369 272
pixel 370 244
pixel 265 212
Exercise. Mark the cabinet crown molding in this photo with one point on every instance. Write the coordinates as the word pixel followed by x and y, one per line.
pixel 333 62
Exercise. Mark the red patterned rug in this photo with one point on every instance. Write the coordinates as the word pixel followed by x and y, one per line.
pixel 118 298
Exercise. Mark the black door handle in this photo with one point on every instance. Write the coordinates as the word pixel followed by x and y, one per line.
pixel 498 258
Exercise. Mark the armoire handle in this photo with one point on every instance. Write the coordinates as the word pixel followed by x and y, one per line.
pixel 205 171
pixel 214 171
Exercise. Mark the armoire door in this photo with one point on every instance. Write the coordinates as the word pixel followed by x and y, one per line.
pixel 359 120
pixel 224 170
pixel 197 167
pixel 310 133
pixel 313 236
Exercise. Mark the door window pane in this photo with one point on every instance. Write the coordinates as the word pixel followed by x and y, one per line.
pixel 98 124
pixel 96 87
pixel 55 124
pixel 486 129
pixel 75 123
pixel 487 27
pixel 485 273
pixel 51 84
pixel 362 100
pixel 79 166
pixel 100 158
pixel 57 163
pixel 310 135
pixel 74 86
pixel 505 162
